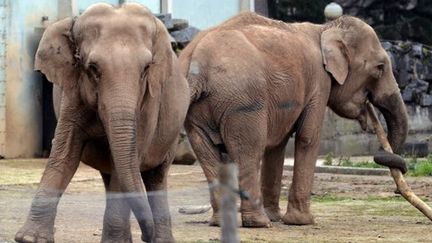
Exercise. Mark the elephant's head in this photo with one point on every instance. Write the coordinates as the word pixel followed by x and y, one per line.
pixel 361 70
pixel 116 61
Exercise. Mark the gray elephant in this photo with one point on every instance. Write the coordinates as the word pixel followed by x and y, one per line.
pixel 122 107
pixel 255 82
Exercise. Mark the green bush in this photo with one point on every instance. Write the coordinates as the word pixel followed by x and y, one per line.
pixel 328 160
pixel 417 167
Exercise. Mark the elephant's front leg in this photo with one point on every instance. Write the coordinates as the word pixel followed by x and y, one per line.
pixel 155 181
pixel 307 142
pixel 62 164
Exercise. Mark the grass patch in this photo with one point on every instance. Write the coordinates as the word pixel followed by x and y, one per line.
pixel 329 199
pixel 383 208
pixel 21 171
pixel 332 198
pixel 371 205
pixel 420 167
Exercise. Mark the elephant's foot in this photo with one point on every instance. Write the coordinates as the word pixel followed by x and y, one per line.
pixel 164 239
pixel 215 220
pixel 115 240
pixel 124 238
pixel 111 234
pixel 296 217
pixel 255 220
pixel 35 232
pixel 163 234
pixel 273 214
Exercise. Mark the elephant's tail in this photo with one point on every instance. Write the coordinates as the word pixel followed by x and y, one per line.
pixel 190 67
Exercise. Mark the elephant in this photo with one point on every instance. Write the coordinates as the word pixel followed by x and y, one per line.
pixel 121 103
pixel 256 82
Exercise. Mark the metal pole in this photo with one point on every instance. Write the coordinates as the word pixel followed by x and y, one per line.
pixel 229 191
pixel 66 8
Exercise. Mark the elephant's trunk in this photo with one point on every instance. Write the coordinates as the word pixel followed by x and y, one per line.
pixel 121 130
pixel 395 114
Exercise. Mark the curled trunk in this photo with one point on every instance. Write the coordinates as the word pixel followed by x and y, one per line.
pixel 394 111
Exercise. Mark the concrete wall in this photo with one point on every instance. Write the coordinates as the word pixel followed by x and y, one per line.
pixel 3 20
pixel 344 137
pixel 207 13
pixel 23 87
pixel 153 5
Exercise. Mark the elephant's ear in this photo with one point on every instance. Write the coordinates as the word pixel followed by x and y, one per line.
pixel 335 54
pixel 54 56
pixel 161 67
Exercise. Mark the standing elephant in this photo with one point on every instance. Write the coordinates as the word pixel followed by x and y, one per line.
pixel 255 82
pixel 122 107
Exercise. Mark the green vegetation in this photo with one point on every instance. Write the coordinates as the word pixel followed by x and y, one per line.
pixel 333 198
pixel 420 167
pixel 362 164
pixel 416 166
pixel 329 159
pixel 329 198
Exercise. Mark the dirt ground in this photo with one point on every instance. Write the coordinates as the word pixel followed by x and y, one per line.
pixel 347 208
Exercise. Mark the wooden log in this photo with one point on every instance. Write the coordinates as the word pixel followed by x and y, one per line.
pixel 397 175
pixel 195 209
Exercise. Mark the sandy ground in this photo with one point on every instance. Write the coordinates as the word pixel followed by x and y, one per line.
pixel 347 208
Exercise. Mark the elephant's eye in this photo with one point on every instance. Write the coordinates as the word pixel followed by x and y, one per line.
pixel 145 72
pixel 379 70
pixel 380 67
pixel 94 71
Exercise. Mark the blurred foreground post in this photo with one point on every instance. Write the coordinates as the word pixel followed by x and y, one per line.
pixel 399 179
pixel 228 206
pixel 66 8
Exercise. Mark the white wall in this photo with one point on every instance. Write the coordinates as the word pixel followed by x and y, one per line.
pixel 207 13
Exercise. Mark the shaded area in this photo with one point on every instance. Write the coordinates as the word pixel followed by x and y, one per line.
pixel 395 20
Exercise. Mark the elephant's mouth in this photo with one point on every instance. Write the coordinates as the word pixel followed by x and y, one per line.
pixel 362 118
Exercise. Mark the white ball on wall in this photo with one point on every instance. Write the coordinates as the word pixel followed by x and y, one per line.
pixel 333 11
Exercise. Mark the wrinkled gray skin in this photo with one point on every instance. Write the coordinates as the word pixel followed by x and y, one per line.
pixel 121 111
pixel 255 82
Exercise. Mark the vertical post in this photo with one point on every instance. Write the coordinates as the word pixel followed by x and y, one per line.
pixel 228 175
pixel 66 8
pixel 247 5
pixel 166 6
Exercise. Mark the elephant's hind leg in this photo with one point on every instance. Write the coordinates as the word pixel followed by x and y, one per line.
pixel 245 135
pixel 271 180
pixel 209 156
pixel 116 224
pixel 155 181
